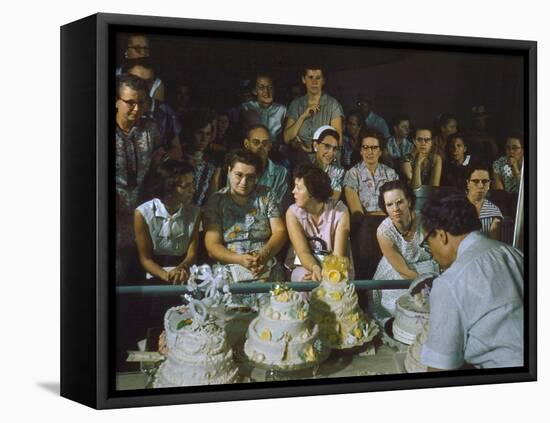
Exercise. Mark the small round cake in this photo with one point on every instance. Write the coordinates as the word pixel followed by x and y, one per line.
pixel 412 359
pixel 197 350
pixel 283 336
pixel 410 314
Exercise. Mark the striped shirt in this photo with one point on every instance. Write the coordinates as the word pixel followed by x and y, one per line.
pixel 487 214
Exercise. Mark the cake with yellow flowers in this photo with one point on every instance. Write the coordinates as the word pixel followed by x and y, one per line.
pixel 197 349
pixel 334 306
pixel 283 336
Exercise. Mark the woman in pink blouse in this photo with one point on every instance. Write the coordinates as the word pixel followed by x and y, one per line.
pixel 316 225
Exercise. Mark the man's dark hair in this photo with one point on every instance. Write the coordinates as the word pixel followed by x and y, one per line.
pixel 130 81
pixel 240 155
pixel 250 128
pixel 452 213
pixel 397 184
pixel 316 181
pixel 314 67
pixel 370 132
pixel 422 127
pixel 398 119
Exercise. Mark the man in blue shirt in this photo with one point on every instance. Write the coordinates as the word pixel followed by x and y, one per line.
pixel 275 176
pixel 476 305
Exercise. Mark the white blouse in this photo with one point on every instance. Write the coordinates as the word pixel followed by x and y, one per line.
pixel 170 234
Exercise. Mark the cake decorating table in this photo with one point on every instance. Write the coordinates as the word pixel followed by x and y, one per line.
pixel 375 358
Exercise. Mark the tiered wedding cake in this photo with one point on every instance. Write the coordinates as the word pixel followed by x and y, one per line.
pixel 197 349
pixel 283 336
pixel 334 306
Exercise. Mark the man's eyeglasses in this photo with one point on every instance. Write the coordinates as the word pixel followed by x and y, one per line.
pixel 141 49
pixel 264 87
pixel 513 147
pixel 478 181
pixel 132 104
pixel 424 244
pixel 370 147
pixel 423 140
pixel 257 143
pixel 330 146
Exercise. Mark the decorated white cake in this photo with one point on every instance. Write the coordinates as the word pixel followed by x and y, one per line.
pixel 334 306
pixel 412 359
pixel 197 349
pixel 412 310
pixel 283 336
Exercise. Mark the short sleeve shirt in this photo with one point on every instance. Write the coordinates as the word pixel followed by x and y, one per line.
pixel 272 117
pixel 244 228
pixel 133 155
pixel 504 170
pixel 367 186
pixel 476 308
pixel 170 233
pixel 329 110
pixel 276 178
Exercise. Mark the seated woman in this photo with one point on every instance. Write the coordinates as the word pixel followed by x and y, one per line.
pixel 363 181
pixel 361 187
pixel 166 227
pixel 478 182
pixel 243 224
pixel 325 146
pixel 454 170
pixel 423 167
pixel 399 237
pixel 507 169
pixel 314 217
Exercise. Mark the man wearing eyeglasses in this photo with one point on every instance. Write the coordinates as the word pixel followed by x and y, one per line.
pixel 275 176
pixel 476 305
pixel 137 146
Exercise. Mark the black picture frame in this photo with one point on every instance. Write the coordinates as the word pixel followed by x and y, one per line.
pixel 87 61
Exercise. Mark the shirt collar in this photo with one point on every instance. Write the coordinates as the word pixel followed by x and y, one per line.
pixel 471 239
pixel 160 210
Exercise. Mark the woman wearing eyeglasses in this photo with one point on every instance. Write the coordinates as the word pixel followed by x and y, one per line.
pixel 400 238
pixel 423 167
pixel 361 187
pixel 507 169
pixel 316 225
pixel 325 147
pixel 478 182
pixel 243 223
pixel 363 181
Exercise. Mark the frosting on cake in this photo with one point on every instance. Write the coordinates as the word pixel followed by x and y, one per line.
pixel 412 359
pixel 334 306
pixel 410 314
pixel 197 349
pixel 412 310
pixel 283 336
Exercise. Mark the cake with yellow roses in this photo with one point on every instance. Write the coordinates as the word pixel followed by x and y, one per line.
pixel 197 352
pixel 335 307
pixel 283 336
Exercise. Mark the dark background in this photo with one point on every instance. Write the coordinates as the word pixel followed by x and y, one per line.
pixel 420 83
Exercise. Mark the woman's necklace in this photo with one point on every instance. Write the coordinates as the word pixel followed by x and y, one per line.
pixel 405 234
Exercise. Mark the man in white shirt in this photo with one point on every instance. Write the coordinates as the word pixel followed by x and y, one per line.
pixel 476 305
